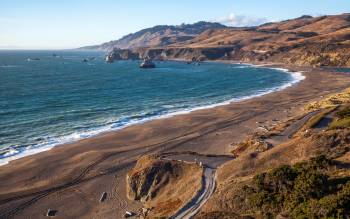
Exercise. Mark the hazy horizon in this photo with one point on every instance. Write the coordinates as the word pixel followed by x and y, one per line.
pixel 43 25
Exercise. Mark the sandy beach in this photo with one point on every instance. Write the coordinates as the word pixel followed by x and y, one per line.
pixel 70 178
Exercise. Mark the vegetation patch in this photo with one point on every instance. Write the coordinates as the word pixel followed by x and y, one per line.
pixel 343 120
pixel 305 190
pixel 318 117
pixel 331 101
pixel 221 215
pixel 344 113
pixel 255 143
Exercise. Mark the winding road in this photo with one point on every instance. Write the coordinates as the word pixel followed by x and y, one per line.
pixel 210 163
pixel 194 205
pixel 291 130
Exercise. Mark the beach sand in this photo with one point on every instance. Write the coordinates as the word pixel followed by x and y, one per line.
pixel 71 178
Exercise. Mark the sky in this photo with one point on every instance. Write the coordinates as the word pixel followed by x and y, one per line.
pixel 64 24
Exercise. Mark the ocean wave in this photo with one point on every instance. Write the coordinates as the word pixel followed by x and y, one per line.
pixel 16 152
pixel 242 66
pixel 8 66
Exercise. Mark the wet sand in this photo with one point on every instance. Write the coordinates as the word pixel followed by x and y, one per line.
pixel 71 178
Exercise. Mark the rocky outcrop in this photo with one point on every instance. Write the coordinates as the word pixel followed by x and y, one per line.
pixel 163 186
pixel 193 54
pixel 122 54
pixel 148 177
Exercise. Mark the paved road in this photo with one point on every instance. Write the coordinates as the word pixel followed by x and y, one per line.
pixel 210 163
pixel 193 206
pixel 290 130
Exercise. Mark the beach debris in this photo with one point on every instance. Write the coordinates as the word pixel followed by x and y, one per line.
pixel 103 197
pixel 128 214
pixel 264 128
pixel 201 164
pixel 145 210
pixel 51 213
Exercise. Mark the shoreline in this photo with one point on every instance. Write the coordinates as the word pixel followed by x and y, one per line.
pixel 71 177
pixel 297 76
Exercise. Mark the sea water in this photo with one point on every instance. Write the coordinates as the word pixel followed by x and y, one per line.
pixel 49 98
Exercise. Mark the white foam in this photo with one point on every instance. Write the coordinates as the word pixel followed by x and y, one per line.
pixel 45 146
pixel 8 66
pixel 11 152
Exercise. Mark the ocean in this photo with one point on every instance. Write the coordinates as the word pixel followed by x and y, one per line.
pixel 48 98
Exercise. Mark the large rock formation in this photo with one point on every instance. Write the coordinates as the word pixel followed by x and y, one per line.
pixel 163 186
pixel 148 177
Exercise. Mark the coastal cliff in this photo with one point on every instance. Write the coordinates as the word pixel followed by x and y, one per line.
pixel 305 41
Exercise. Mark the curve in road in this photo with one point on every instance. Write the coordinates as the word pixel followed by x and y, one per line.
pixel 194 205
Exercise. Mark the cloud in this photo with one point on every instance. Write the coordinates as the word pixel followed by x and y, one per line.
pixel 241 20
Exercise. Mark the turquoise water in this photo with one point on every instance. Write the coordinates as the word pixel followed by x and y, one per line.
pixel 345 70
pixel 61 99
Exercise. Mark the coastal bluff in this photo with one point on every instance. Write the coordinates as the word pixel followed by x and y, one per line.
pixel 162 186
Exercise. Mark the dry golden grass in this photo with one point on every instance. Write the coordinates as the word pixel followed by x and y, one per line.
pixel 171 189
pixel 330 101
pixel 233 175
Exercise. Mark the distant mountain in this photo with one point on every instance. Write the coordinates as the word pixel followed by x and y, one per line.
pixel 161 35
pixel 306 41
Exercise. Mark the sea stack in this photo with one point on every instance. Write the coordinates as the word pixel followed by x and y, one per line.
pixel 109 58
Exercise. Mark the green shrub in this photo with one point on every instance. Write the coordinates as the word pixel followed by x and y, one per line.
pixel 344 113
pixel 340 123
pixel 310 184
pixel 303 190
pixel 343 120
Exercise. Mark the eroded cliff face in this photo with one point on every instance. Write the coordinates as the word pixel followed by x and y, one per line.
pixel 163 186
pixel 176 53
pixel 148 176
pixel 306 55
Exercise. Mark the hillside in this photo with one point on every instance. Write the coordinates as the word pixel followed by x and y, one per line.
pixel 307 41
pixel 305 176
pixel 161 35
